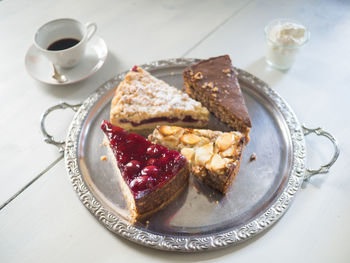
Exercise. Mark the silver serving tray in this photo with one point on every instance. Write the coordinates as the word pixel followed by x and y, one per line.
pixel 199 219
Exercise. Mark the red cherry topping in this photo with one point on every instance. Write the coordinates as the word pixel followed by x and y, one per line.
pixel 141 183
pixel 180 161
pixel 133 167
pixel 123 159
pixel 144 166
pixel 151 161
pixel 164 160
pixel 154 150
pixel 150 170
pixel 134 68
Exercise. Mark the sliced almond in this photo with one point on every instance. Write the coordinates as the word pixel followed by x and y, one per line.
pixel 169 130
pixel 228 161
pixel 205 133
pixel 190 138
pixel 198 75
pixel 224 141
pixel 216 164
pixel 203 154
pixel 236 133
pixel 188 153
pixel 229 152
pixel 128 77
pixel 203 141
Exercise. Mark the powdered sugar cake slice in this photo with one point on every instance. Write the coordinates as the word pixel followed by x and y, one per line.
pixel 142 101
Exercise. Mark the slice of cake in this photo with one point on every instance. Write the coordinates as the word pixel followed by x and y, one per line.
pixel 214 156
pixel 142 101
pixel 151 176
pixel 214 83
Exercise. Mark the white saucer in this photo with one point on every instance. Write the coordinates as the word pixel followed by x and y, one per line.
pixel 40 68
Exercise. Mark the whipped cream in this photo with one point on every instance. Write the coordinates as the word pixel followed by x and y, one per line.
pixel 288 34
pixel 283 41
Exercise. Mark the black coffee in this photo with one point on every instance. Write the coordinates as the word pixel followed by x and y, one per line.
pixel 63 44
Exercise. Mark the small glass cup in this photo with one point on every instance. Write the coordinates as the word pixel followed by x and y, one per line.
pixel 281 56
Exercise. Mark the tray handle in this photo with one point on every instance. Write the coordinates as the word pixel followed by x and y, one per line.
pixel 324 168
pixel 49 138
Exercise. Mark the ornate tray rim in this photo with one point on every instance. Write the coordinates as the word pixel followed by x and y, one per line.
pixel 188 243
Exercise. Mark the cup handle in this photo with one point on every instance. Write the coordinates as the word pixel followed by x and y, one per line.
pixel 91 29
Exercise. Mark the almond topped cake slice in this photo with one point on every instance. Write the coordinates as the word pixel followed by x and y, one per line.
pixel 150 175
pixel 142 101
pixel 214 156
pixel 214 83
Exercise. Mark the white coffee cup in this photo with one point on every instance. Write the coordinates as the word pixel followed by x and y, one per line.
pixel 57 34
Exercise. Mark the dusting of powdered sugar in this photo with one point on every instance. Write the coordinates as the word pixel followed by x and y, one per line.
pixel 142 96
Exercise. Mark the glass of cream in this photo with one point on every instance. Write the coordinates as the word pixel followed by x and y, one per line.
pixel 284 38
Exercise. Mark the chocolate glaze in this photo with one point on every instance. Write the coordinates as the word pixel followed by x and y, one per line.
pixel 220 72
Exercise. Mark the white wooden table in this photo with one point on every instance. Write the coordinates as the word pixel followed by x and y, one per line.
pixel 44 221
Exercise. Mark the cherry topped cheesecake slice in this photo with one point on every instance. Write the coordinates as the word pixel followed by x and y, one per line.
pixel 141 101
pixel 151 175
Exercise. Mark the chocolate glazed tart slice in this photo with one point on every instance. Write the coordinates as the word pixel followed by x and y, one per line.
pixel 151 176
pixel 214 83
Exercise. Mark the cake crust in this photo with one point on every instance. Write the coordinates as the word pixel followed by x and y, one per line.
pixel 214 83
pixel 160 198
